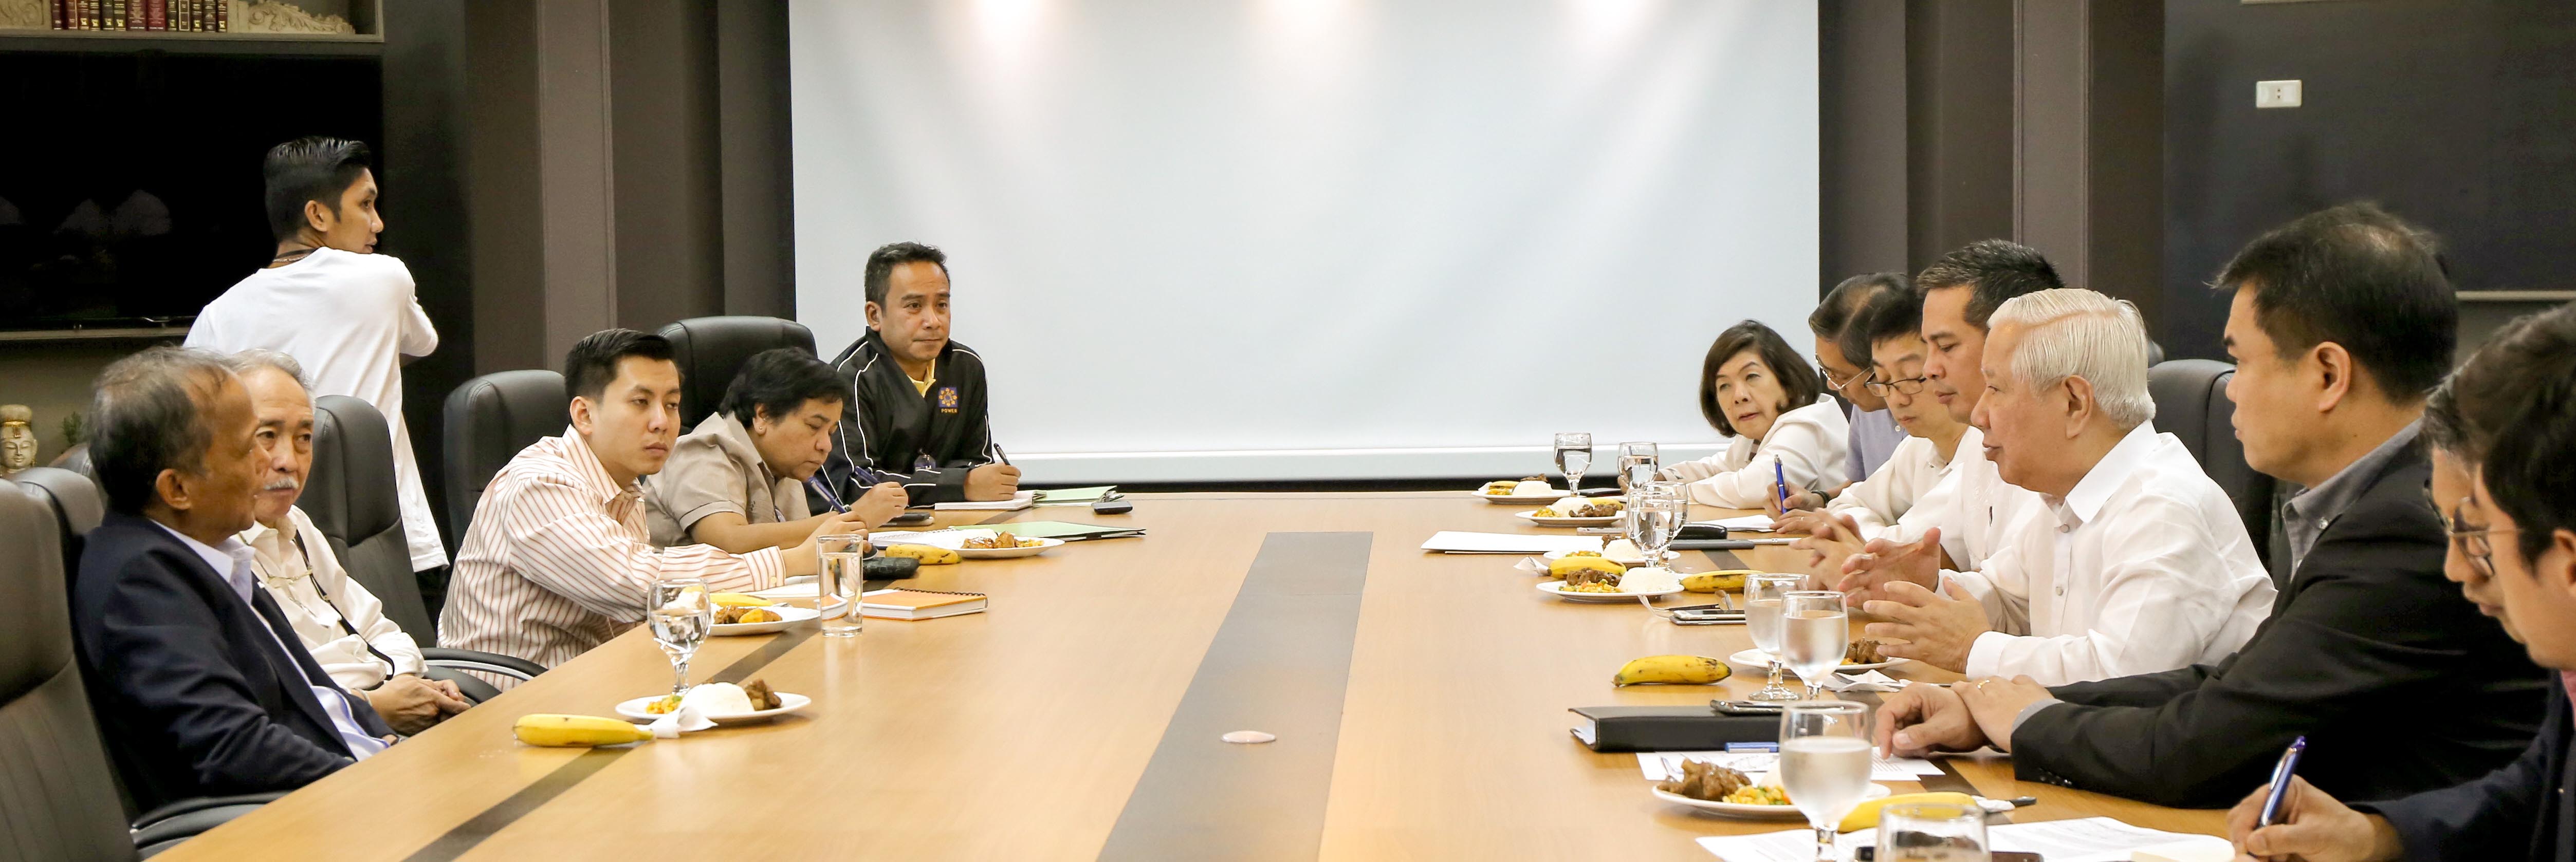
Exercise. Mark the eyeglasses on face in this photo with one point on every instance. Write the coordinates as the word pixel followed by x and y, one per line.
pixel 1908 386
pixel 2473 541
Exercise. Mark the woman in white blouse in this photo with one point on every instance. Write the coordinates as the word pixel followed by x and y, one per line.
pixel 1757 391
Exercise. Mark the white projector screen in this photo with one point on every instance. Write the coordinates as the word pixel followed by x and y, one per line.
pixel 1202 240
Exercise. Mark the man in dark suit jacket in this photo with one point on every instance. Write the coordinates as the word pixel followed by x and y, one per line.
pixel 2328 394
pixel 193 668
pixel 2503 431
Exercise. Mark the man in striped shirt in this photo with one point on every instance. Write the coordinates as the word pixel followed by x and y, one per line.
pixel 556 561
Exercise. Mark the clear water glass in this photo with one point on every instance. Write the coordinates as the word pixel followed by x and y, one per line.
pixel 680 616
pixel 1638 464
pixel 1764 595
pixel 1815 630
pixel 1655 512
pixel 840 562
pixel 1824 763
pixel 1932 832
pixel 1573 456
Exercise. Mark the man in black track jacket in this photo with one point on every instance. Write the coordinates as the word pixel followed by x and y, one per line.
pixel 915 415
pixel 2341 322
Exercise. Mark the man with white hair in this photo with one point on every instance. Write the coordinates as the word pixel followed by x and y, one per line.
pixel 336 619
pixel 2136 563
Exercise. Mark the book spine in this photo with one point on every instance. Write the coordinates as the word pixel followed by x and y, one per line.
pixel 156 14
pixel 90 12
pixel 56 7
pixel 183 15
pixel 223 16
pixel 124 15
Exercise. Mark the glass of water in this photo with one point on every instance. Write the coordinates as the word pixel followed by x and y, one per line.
pixel 680 616
pixel 1763 597
pixel 1814 632
pixel 1573 456
pixel 1824 763
pixel 1638 464
pixel 1932 832
pixel 1655 511
pixel 840 561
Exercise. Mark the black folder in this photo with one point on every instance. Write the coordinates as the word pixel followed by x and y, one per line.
pixel 1669 728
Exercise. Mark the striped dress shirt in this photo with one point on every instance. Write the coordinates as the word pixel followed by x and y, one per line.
pixel 556 560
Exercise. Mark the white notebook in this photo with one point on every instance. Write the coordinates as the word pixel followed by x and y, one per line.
pixel 1456 542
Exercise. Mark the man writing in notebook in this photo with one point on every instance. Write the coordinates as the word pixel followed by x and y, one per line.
pixel 2340 322
pixel 2502 430
pixel 915 413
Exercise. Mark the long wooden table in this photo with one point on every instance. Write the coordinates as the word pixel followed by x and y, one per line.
pixel 1023 732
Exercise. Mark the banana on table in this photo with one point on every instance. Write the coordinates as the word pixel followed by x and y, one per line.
pixel 577 730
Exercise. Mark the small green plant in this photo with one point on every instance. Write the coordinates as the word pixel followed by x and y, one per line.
pixel 73 433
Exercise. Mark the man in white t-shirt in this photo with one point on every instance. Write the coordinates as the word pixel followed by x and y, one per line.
pixel 346 313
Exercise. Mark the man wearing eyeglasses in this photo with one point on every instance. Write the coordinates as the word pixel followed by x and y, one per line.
pixel 1908 494
pixel 1874 435
pixel 2499 430
pixel 2341 322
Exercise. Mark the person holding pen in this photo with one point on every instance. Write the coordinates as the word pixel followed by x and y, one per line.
pixel 1782 429
pixel 2502 430
pixel 915 412
pixel 737 480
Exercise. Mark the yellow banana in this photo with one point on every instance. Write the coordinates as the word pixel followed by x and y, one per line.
pixel 578 730
pixel 1866 816
pixel 1563 566
pixel 929 556
pixel 1718 581
pixel 739 600
pixel 1673 670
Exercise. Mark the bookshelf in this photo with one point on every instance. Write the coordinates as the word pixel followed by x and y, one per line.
pixel 364 16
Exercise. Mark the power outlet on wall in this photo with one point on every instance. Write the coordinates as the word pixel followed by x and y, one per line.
pixel 2276 94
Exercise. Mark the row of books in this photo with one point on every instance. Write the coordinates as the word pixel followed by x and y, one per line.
pixel 185 16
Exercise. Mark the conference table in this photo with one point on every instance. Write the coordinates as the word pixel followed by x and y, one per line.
pixel 1419 702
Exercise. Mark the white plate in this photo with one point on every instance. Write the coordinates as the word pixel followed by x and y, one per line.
pixel 788 704
pixel 1550 588
pixel 1551 496
pixel 1534 517
pixel 788 615
pixel 1755 659
pixel 1631 562
pixel 1754 812
pixel 1008 553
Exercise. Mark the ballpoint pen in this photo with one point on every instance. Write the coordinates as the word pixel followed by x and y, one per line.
pixel 825 488
pixel 1780 481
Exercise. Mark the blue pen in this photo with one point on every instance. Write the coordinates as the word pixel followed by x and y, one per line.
pixel 1780 480
pixel 824 488
pixel 2281 782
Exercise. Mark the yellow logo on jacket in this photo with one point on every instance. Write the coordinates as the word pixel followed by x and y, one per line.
pixel 947 399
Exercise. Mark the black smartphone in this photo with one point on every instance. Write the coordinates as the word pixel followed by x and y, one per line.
pixel 1870 854
pixel 910 519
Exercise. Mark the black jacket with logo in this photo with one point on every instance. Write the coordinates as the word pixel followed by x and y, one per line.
pixel 925 440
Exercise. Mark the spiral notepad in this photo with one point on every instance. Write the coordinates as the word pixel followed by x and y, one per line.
pixel 902 604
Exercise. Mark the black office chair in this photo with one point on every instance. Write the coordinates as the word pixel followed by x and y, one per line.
pixel 710 350
pixel 487 421
pixel 67 801
pixel 2192 404
pixel 352 499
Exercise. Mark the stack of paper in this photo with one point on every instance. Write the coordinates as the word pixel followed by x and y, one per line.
pixel 2092 839
pixel 1076 496
pixel 1455 542
pixel 1021 500
pixel 1743 524
pixel 1667 765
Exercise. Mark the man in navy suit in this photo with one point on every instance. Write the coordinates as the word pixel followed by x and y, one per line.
pixel 194 670
pixel 2503 431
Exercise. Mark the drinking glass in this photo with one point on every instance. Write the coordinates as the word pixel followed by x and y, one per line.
pixel 1814 632
pixel 1655 511
pixel 1824 763
pixel 680 617
pixel 1638 464
pixel 839 563
pixel 1932 832
pixel 1573 456
pixel 1763 597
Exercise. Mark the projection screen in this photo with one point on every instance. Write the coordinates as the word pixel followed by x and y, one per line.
pixel 1311 239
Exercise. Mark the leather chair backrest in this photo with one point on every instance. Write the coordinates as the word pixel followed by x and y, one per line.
pixel 351 498
pixel 2192 404
pixel 488 420
pixel 77 506
pixel 61 789
pixel 710 350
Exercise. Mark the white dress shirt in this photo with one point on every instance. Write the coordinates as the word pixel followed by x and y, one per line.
pixel 1978 512
pixel 1899 501
pixel 349 319
pixel 232 560
pixel 342 624
pixel 1812 446
pixel 2142 567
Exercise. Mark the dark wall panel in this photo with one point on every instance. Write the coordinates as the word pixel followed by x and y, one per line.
pixel 2458 114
